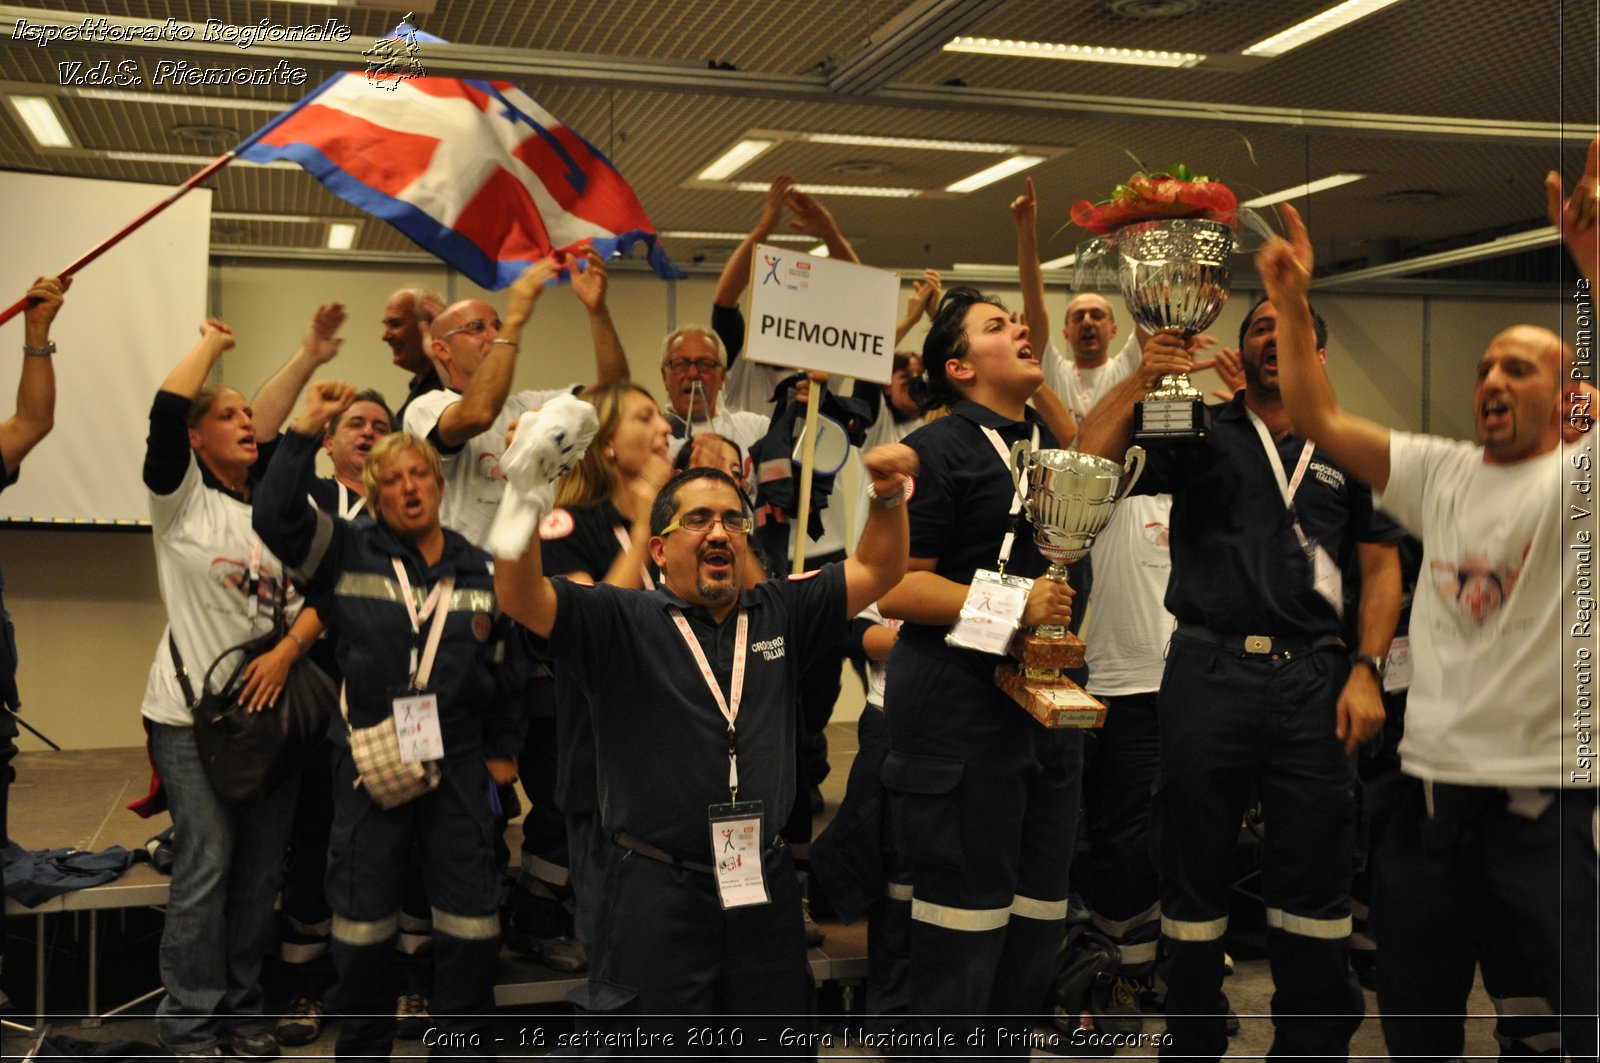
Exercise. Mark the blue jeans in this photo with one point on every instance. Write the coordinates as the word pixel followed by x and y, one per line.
pixel 227 866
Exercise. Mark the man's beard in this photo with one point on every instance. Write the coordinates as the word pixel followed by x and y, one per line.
pixel 715 593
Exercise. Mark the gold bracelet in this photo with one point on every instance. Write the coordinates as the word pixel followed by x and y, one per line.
pixel 298 641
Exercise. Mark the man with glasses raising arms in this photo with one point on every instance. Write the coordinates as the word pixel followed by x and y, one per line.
pixel 694 687
pixel 477 355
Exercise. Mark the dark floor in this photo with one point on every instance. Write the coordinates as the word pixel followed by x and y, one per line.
pixel 126 939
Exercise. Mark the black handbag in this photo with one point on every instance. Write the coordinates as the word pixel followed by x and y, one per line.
pixel 246 755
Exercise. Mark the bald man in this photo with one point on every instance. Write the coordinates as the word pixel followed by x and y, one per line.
pixel 1490 860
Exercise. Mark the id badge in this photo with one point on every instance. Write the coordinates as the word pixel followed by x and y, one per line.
pixel 736 852
pixel 1326 579
pixel 416 724
pixel 1398 677
pixel 992 612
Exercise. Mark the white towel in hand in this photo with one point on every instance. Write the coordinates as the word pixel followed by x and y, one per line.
pixel 547 443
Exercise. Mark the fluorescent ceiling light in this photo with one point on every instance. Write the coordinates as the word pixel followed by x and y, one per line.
pixel 44 124
pixel 1060 263
pixel 820 251
pixel 734 159
pixel 1082 53
pixel 175 99
pixel 908 143
pixel 197 160
pixel 998 172
pixel 229 215
pixel 993 267
pixel 835 190
pixel 1322 184
pixel 342 235
pixel 1315 26
pixel 1528 240
pixel 708 234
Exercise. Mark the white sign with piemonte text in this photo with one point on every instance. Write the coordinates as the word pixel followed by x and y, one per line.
pixel 822 315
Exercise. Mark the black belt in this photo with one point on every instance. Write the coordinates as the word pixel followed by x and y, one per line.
pixel 1272 647
pixel 661 856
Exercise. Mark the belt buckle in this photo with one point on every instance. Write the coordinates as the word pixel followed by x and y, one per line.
pixel 1258 644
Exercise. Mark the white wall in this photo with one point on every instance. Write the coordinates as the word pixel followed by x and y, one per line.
pixel 86 606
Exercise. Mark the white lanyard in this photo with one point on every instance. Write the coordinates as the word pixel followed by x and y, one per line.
pixel 1001 449
pixel 730 711
pixel 1286 486
pixel 254 570
pixel 627 544
pixel 438 599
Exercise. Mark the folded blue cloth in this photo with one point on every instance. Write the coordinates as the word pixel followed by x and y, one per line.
pixel 33 877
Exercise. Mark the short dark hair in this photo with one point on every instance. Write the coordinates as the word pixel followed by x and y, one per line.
pixel 946 339
pixel 1321 325
pixel 666 503
pixel 372 395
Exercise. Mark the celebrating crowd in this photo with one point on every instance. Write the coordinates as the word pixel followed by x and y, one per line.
pixel 586 593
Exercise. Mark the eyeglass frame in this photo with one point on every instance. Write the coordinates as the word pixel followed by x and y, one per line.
pixel 679 366
pixel 711 518
pixel 468 327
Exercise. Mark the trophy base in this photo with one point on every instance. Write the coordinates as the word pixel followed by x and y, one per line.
pixel 1164 422
pixel 1038 653
pixel 1055 703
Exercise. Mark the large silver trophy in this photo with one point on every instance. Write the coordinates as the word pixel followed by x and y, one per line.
pixel 1069 497
pixel 1174 275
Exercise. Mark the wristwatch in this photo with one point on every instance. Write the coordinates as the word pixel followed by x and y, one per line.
pixel 1379 665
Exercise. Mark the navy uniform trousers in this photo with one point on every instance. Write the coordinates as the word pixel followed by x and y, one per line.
pixel 367 863
pixel 985 803
pixel 1231 722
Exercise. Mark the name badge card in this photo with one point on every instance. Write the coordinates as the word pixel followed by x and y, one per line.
pixel 736 852
pixel 1326 579
pixel 992 612
pixel 1400 666
pixel 416 723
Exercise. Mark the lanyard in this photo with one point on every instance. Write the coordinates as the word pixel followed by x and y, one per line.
pixel 436 606
pixel 730 712
pixel 627 544
pixel 1286 486
pixel 346 497
pixel 254 570
pixel 1001 449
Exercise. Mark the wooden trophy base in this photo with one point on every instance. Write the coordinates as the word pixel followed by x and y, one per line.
pixel 1037 653
pixel 1053 702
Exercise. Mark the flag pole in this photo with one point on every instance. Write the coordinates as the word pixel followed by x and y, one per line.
pixel 808 464
pixel 127 230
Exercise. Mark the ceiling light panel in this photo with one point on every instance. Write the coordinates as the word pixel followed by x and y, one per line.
pixel 998 172
pixel 1321 184
pixel 1081 53
pixel 342 235
pixel 39 116
pixel 1326 22
pixel 735 159
pixel 906 143
pixel 834 190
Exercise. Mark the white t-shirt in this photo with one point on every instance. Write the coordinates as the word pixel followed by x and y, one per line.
pixel 473 482
pixel 1127 627
pixel 204 546
pixel 1080 389
pixel 1492 632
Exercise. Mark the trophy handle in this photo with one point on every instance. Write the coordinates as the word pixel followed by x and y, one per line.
pixel 1018 471
pixel 1132 468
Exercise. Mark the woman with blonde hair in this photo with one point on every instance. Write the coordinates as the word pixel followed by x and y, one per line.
pixel 599 532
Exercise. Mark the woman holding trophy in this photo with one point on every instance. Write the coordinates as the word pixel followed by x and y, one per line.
pixel 984 799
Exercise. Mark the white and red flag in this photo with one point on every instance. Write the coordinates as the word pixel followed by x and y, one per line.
pixel 476 172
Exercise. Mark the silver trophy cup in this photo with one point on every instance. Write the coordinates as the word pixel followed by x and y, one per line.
pixel 1174 275
pixel 1069 497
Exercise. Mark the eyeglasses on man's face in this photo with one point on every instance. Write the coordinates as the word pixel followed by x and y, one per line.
pixel 706 366
pixel 699 521
pixel 477 327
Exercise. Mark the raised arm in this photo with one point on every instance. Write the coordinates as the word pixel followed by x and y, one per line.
pixel 486 396
pixel 1106 429
pixel 589 285
pixel 1025 213
pixel 924 297
pixel 1360 445
pixel 735 276
pixel 36 389
pixel 525 593
pixel 274 400
pixel 1576 218
pixel 1057 417
pixel 813 219
pixel 879 560
pixel 299 533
